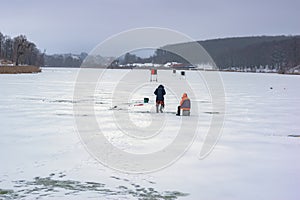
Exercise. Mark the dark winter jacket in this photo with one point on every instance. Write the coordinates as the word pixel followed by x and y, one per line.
pixel 160 92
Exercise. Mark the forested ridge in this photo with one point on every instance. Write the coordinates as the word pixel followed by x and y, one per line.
pixel 278 52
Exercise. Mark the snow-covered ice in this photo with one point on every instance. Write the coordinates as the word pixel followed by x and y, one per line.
pixel 43 157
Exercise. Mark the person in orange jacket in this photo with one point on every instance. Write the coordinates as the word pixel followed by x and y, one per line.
pixel 185 105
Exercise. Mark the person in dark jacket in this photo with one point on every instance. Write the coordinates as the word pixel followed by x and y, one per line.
pixel 160 92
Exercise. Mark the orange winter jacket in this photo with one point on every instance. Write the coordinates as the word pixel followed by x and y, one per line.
pixel 185 103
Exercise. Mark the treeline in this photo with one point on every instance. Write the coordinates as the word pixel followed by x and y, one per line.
pixel 275 52
pixel 76 60
pixel 64 60
pixel 19 50
pixel 160 57
pixel 280 53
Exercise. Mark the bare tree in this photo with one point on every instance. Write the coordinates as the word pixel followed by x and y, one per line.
pixel 20 46
pixel 1 44
pixel 8 48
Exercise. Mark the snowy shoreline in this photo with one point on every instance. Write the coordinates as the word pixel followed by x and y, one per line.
pixel 177 69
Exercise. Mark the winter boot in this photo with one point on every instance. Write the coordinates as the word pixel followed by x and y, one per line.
pixel 178 111
pixel 161 108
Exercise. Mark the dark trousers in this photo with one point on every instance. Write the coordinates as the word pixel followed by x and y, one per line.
pixel 178 111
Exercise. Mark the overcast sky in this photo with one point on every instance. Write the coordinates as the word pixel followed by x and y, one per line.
pixel 62 26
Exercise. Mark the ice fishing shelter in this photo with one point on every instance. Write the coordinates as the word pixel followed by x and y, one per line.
pixel 153 75
pixel 182 73
pixel 174 72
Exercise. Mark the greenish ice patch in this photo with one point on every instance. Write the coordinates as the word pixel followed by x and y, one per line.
pixel 41 187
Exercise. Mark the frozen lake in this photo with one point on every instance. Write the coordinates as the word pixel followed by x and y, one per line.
pixel 43 156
